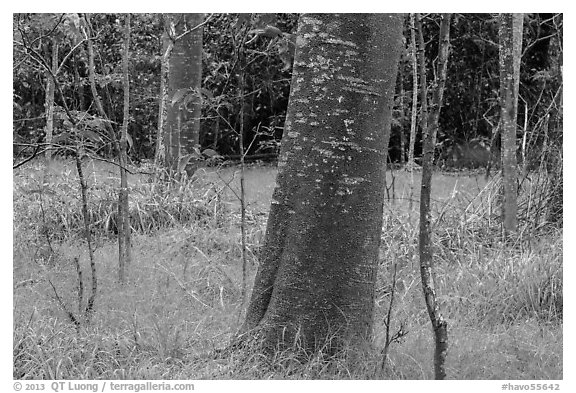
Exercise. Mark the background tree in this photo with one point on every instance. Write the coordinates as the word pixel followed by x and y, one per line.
pixel 510 46
pixel 414 112
pixel 166 49
pixel 440 76
pixel 50 87
pixel 183 53
pixel 315 283
pixel 92 75
pixel 124 229
pixel 470 112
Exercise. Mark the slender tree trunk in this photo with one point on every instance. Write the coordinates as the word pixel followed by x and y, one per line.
pixel 402 133
pixel 242 184
pixel 124 254
pixel 439 325
pixel 49 104
pixel 79 85
pixel 94 90
pixel 216 132
pixel 510 44
pixel 316 280
pixel 88 235
pixel 422 74
pixel 414 94
pixel 171 127
pixel 440 81
pixel 162 137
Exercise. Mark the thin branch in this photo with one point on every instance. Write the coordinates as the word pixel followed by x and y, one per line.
pixel 194 28
pixel 63 306
pixel 529 46
pixel 97 158
pixel 70 54
pixel 28 159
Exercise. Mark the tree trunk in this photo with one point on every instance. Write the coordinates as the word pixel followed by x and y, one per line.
pixel 49 104
pixel 185 69
pixel 161 134
pixel 510 45
pixel 439 325
pixel 123 206
pixel 92 79
pixel 190 132
pixel 414 95
pixel 316 280
pixel 78 84
pixel 402 114
pixel 440 81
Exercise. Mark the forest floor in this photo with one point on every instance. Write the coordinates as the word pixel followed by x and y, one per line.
pixel 183 299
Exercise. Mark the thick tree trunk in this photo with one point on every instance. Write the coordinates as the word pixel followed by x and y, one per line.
pixel 315 283
pixel 510 43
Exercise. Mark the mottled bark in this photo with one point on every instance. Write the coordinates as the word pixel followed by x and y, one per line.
pixel 439 325
pixel 315 283
pixel 190 132
pixel 414 63
pixel 185 68
pixel 510 45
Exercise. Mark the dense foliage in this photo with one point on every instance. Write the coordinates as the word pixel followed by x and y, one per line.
pixel 469 116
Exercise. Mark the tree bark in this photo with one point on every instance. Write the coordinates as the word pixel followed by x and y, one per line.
pixel 439 325
pixel 440 80
pixel 315 283
pixel 185 69
pixel 161 134
pixel 124 254
pixel 49 104
pixel 510 45
pixel 414 94
pixel 190 133
pixel 93 89
pixel 402 114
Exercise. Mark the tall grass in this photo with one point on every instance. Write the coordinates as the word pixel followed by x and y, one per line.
pixel 182 300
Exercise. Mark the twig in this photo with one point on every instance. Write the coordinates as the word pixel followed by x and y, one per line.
pixel 80 284
pixel 194 28
pixel 69 313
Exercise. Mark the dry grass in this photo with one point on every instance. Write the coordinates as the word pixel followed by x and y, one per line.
pixel 182 300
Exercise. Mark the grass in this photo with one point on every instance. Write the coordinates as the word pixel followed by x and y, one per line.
pixel 182 300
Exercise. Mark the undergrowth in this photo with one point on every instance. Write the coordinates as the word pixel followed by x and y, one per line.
pixel 182 300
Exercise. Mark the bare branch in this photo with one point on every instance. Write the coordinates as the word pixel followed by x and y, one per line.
pixel 194 28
